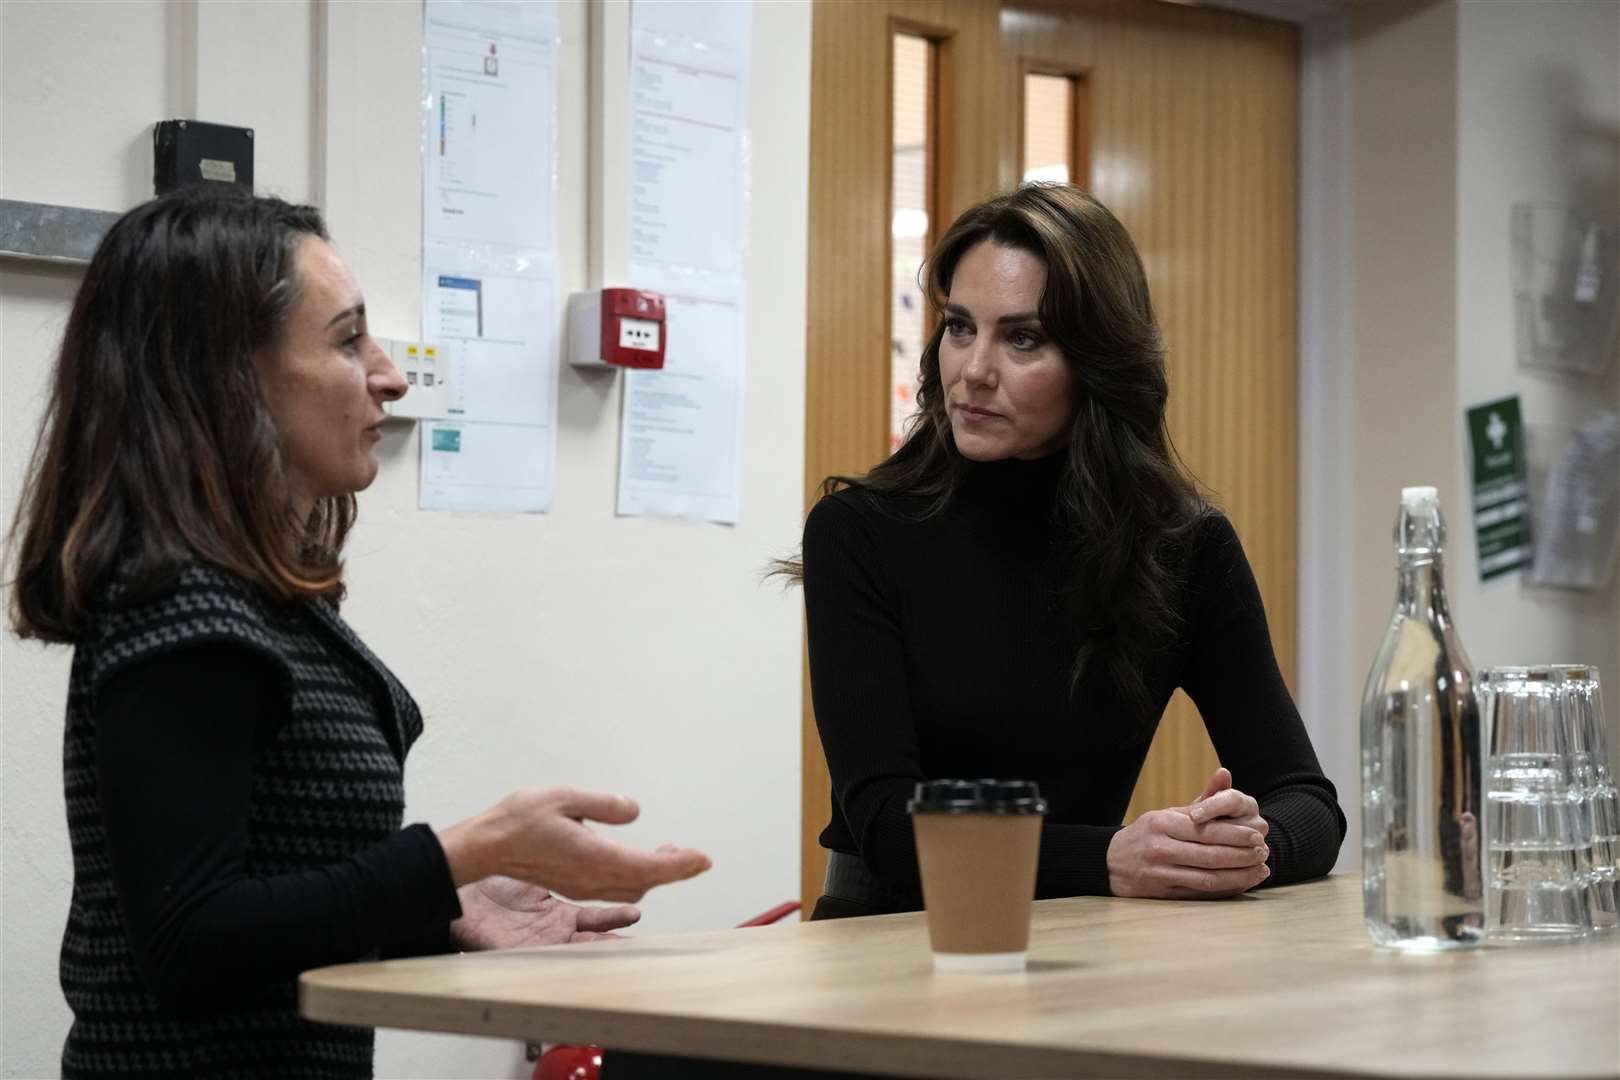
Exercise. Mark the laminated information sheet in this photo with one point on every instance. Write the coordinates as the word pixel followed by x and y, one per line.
pixel 681 428
pixel 1578 523
pixel 489 251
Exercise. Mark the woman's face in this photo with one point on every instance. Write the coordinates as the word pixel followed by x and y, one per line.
pixel 1007 387
pixel 325 381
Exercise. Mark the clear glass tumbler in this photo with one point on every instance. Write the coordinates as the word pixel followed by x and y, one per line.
pixel 1592 777
pixel 1538 847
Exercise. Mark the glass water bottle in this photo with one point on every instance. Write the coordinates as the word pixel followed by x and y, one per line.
pixel 1420 757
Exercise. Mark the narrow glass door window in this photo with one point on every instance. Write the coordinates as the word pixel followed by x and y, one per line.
pixel 1049 127
pixel 911 202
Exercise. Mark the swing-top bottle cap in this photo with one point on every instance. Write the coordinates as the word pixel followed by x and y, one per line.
pixel 1420 529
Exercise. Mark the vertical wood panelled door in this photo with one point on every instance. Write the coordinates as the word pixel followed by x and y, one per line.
pixel 847 310
pixel 1192 142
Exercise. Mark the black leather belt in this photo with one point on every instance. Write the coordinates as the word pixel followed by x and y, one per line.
pixel 849 879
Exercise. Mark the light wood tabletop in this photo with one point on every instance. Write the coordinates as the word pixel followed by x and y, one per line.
pixel 1281 982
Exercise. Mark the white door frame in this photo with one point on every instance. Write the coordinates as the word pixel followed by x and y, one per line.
pixel 1327 687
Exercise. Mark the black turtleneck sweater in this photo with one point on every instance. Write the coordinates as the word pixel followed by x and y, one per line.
pixel 939 647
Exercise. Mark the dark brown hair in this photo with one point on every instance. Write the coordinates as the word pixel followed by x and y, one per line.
pixel 156 448
pixel 1125 500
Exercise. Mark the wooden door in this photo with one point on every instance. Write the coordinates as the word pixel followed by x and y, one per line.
pixel 1187 126
pixel 847 350
pixel 1192 132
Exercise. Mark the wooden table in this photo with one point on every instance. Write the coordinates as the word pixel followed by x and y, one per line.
pixel 1278 983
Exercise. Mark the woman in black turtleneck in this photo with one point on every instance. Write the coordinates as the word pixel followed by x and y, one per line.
pixel 1018 590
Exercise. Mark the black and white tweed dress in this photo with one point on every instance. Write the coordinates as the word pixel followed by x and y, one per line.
pixel 329 784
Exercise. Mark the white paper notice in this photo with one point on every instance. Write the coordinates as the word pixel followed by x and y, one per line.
pixel 681 429
pixel 500 317
pixel 489 227
pixel 686 181
pixel 483 466
pixel 1579 527
pixel 489 169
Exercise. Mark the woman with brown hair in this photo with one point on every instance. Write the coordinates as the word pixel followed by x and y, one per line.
pixel 1020 587
pixel 233 752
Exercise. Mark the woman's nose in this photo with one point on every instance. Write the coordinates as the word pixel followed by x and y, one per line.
pixel 385 379
pixel 978 366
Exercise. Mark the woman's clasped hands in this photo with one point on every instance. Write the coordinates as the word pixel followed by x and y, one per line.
pixel 1211 848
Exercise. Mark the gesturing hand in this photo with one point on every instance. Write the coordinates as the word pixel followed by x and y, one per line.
pixel 1212 848
pixel 505 913
pixel 539 835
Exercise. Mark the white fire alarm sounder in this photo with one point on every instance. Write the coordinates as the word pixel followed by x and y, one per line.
pixel 429 384
pixel 613 328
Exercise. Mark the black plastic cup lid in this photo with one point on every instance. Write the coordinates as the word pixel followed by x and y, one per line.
pixel 977 797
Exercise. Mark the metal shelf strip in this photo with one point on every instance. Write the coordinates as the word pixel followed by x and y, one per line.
pixel 46 233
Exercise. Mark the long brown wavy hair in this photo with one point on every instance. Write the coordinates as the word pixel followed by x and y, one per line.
pixel 156 448
pixel 1125 500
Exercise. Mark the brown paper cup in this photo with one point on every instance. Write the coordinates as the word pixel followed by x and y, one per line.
pixel 978 879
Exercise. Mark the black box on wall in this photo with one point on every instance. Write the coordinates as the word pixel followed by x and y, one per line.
pixel 191 151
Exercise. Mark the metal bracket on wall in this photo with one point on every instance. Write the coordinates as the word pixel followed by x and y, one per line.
pixel 56 234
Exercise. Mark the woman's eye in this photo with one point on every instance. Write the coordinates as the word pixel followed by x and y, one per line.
pixel 351 344
pixel 956 327
pixel 1024 339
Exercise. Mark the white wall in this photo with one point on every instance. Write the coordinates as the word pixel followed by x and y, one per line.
pixel 1457 110
pixel 1403 77
pixel 1538 108
pixel 636 655
pixel 99 167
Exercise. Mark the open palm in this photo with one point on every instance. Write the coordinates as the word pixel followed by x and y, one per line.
pixel 505 913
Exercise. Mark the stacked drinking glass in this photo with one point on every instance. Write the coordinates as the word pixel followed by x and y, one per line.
pixel 1552 815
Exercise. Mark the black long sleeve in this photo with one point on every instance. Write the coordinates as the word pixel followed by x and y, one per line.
pixel 177 736
pixel 939 647
pixel 1231 674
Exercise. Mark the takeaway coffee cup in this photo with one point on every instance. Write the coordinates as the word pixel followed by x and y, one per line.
pixel 977 843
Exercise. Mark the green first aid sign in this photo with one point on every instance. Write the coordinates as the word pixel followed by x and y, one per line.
pixel 1501 495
